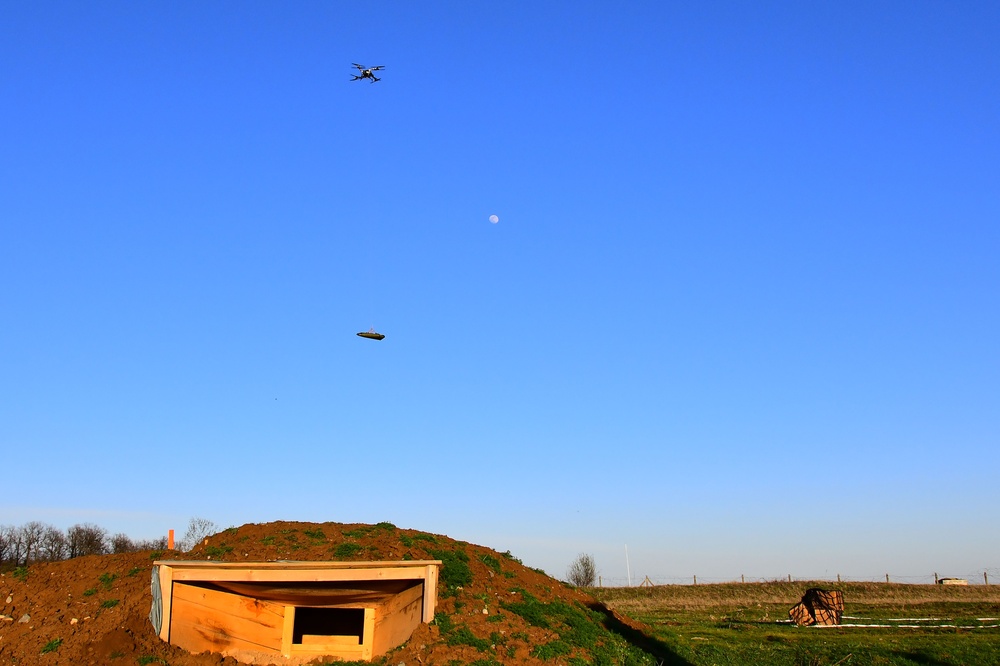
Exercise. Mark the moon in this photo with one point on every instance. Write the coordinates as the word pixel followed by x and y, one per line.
pixel 494 219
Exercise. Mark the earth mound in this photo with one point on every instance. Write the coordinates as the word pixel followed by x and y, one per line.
pixel 491 608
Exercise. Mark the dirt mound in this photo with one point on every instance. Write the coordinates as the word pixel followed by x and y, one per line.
pixel 491 608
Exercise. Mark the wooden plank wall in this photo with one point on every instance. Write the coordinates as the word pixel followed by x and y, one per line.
pixel 396 620
pixel 205 619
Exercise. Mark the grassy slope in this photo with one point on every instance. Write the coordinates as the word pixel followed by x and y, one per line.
pixel 739 623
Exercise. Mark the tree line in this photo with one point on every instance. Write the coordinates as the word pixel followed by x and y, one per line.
pixel 38 542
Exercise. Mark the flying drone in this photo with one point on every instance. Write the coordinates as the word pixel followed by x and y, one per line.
pixel 367 73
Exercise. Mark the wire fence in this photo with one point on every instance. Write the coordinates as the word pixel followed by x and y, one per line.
pixel 986 576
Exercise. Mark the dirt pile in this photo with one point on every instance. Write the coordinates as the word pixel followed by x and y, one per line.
pixel 491 608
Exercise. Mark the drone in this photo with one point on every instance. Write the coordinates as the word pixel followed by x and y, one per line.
pixel 367 73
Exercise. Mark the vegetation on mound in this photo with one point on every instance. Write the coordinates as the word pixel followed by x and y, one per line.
pixel 489 604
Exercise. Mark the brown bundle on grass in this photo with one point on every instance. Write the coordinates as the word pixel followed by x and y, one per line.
pixel 818 607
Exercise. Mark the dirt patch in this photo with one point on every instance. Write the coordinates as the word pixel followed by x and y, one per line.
pixel 491 608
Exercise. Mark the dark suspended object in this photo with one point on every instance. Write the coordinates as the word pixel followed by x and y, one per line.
pixel 371 334
pixel 367 72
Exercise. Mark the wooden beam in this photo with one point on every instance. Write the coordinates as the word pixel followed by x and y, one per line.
pixel 166 596
pixel 298 564
pixel 295 575
pixel 288 631
pixel 430 589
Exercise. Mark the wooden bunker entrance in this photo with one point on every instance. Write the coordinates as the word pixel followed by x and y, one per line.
pixel 255 611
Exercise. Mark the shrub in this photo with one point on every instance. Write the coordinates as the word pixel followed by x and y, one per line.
pixel 583 571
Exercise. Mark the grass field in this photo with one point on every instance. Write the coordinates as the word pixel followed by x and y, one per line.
pixel 747 624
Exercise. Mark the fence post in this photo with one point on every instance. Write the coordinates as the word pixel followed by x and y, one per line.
pixel 935 578
pixel 600 582
pixel 838 579
pixel 986 580
pixel 789 578
pixel 743 580
pixel 695 580
pixel 887 578
pixel 170 539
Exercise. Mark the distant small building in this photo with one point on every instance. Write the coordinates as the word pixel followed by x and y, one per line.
pixel 952 581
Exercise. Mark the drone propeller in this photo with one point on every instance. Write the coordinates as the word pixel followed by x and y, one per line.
pixel 375 69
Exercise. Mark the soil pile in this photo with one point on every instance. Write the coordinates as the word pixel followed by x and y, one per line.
pixel 491 608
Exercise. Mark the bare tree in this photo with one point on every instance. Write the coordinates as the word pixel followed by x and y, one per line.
pixel 7 543
pixel 15 546
pixel 87 539
pixel 31 540
pixel 152 544
pixel 53 546
pixel 198 529
pixel 121 543
pixel 583 571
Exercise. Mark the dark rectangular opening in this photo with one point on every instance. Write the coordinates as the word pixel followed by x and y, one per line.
pixel 328 622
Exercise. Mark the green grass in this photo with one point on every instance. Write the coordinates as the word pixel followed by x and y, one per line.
pixel 344 550
pixel 463 636
pixel 408 540
pixel 365 530
pixel 217 551
pixel 107 579
pixel 90 591
pixel 444 623
pixel 509 556
pixel 455 571
pixel 737 623
pixel 52 645
pixel 109 603
pixel 146 659
pixel 21 573
pixel 133 571
pixel 490 561
pixel 584 631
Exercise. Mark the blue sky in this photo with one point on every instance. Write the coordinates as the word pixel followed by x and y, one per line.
pixel 740 312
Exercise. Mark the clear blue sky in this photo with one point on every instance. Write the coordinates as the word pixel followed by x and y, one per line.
pixel 741 311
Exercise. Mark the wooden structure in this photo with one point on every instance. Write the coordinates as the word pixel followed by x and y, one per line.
pixel 818 606
pixel 256 611
pixel 953 581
